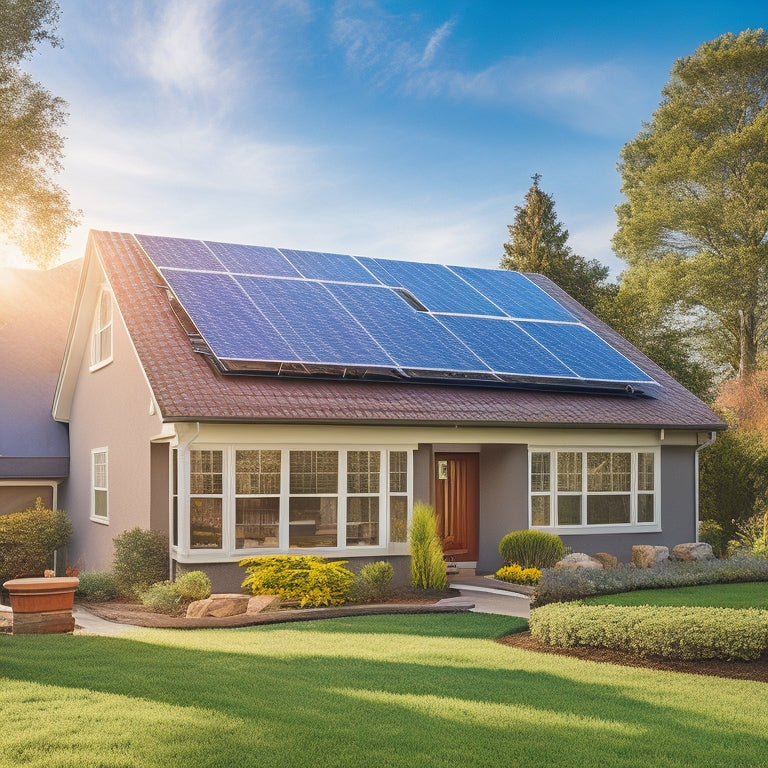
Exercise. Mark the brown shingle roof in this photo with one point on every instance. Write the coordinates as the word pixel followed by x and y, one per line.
pixel 186 387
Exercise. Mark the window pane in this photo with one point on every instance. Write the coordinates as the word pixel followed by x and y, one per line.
pixel 609 472
pixel 100 503
pixel 312 522
pixel 363 471
pixel 205 523
pixel 398 518
pixel 256 522
pixel 205 471
pixel 645 472
pixel 314 472
pixel 604 510
pixel 257 472
pixel 540 510
pixel 540 473
pixel 569 471
pixel 645 508
pixel 398 473
pixel 362 520
pixel 569 510
pixel 100 470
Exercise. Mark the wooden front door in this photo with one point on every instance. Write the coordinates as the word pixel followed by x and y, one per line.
pixel 457 504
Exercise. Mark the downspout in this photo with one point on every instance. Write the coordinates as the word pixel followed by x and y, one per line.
pixel 180 445
pixel 712 438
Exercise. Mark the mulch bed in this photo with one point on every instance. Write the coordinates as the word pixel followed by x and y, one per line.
pixel 738 670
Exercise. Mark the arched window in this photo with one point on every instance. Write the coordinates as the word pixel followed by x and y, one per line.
pixel 101 341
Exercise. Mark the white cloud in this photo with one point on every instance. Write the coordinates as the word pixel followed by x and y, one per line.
pixel 435 41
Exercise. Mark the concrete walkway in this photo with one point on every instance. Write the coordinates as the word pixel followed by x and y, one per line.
pixel 492 596
pixel 87 623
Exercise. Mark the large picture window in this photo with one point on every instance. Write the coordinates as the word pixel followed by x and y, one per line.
pixel 586 489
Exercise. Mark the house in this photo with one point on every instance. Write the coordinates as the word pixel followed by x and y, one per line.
pixel 35 309
pixel 252 400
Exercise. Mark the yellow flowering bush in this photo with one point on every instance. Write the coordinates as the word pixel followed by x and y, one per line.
pixel 518 575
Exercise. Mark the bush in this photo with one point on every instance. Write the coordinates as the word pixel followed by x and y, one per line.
pixel 97 586
pixel 531 549
pixel 672 632
pixel 517 575
pixel 374 579
pixel 141 559
pixel 311 580
pixel 193 585
pixel 163 597
pixel 428 569
pixel 712 533
pixel 28 540
pixel 751 538
pixel 562 584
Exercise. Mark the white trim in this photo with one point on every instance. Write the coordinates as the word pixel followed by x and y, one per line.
pixel 101 519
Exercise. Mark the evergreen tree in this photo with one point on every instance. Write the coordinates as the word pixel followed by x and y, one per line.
pixel 539 243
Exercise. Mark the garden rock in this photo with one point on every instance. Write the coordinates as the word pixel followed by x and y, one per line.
pixel 219 606
pixel 579 560
pixel 608 561
pixel 693 551
pixel 646 555
pixel 261 603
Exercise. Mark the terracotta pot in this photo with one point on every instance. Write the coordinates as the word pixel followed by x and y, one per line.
pixel 42 595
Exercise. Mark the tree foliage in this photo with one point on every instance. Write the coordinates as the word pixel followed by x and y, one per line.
pixel 696 183
pixel 35 212
pixel 539 243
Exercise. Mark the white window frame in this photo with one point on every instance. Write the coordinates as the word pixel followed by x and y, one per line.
pixel 228 552
pixel 102 519
pixel 584 528
pixel 99 331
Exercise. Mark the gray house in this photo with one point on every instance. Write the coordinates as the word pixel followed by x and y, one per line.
pixel 253 400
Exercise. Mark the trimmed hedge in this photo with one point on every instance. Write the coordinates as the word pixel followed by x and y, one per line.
pixel 531 549
pixel 670 632
pixel 97 586
pixel 563 584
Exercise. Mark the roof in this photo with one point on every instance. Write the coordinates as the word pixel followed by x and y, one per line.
pixel 35 309
pixel 187 388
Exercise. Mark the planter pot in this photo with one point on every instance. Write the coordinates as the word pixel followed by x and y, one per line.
pixel 42 595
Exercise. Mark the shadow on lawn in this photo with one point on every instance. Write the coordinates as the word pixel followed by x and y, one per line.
pixel 346 711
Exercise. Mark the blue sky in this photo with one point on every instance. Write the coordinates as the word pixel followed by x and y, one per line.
pixel 391 129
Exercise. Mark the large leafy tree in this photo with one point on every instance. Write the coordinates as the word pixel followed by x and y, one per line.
pixel 35 212
pixel 695 220
pixel 539 243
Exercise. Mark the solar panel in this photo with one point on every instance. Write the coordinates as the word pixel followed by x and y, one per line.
pixel 327 266
pixel 181 254
pixel 514 293
pixel 253 260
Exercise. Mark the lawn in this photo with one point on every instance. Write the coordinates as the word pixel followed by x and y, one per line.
pixel 751 595
pixel 378 691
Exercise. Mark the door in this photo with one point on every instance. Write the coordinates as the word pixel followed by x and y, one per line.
pixel 457 504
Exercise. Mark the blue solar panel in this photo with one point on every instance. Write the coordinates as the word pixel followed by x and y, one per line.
pixel 504 347
pixel 181 254
pixel 514 293
pixel 327 266
pixel 253 260
pixel 316 326
pixel 584 352
pixel 413 339
pixel 227 319
pixel 436 287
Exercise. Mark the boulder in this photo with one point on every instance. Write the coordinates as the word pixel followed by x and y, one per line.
pixel 261 603
pixel 219 606
pixel 693 551
pixel 608 561
pixel 646 555
pixel 579 560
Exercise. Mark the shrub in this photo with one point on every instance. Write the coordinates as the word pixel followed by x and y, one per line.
pixel 28 540
pixel 141 559
pixel 562 584
pixel 531 549
pixel 193 585
pixel 751 538
pixel 163 597
pixel 374 579
pixel 428 569
pixel 311 580
pixel 712 533
pixel 518 575
pixel 97 586
pixel 672 632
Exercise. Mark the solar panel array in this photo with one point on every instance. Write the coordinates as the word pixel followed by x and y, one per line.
pixel 277 307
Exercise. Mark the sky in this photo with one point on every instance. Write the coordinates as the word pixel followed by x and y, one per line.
pixel 392 129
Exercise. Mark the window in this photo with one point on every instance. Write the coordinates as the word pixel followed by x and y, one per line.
pixel 99 487
pixel 398 496
pixel 314 499
pixel 257 499
pixel 206 498
pixel 585 489
pixel 101 341
pixel 363 474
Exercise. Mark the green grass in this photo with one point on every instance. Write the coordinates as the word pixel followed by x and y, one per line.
pixel 751 595
pixel 425 691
